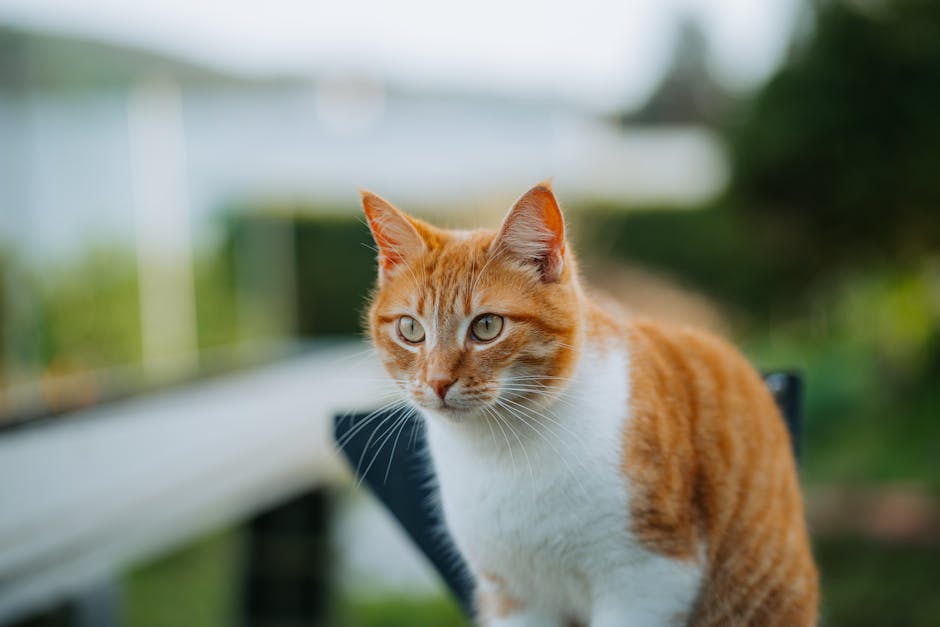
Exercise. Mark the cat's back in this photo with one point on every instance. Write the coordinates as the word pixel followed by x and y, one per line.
pixel 699 380
pixel 710 462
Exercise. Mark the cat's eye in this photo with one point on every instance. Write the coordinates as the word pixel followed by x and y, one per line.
pixel 486 327
pixel 410 329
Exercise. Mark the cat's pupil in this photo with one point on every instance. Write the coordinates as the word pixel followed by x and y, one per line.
pixel 487 327
pixel 410 329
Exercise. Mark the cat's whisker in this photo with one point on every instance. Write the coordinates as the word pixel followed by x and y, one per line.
pixel 348 437
pixel 548 386
pixel 414 434
pixel 541 377
pixel 368 418
pixel 489 423
pixel 540 400
pixel 499 424
pixel 394 417
pixel 391 455
pixel 559 384
pixel 551 394
pixel 390 382
pixel 536 386
pixel 393 400
pixel 482 270
pixel 381 439
pixel 551 418
pixel 543 401
pixel 544 436
pixel 368 443
pixel 543 431
pixel 521 446
pixel 387 434
pixel 368 352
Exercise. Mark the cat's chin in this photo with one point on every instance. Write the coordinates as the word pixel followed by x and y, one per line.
pixel 452 413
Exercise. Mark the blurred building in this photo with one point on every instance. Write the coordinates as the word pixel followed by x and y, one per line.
pixel 71 112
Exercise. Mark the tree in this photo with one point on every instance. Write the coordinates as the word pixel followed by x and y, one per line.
pixel 839 158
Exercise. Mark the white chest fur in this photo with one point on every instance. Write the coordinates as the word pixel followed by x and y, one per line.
pixel 540 500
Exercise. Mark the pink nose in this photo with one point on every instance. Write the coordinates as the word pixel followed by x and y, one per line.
pixel 441 386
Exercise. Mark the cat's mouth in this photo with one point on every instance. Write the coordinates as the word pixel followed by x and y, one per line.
pixel 453 409
pixel 456 407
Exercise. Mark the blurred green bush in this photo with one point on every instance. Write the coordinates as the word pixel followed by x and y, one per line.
pixel 836 158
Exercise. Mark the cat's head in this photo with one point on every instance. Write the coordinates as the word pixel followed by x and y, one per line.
pixel 467 322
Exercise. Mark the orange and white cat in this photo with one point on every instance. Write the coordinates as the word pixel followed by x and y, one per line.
pixel 594 469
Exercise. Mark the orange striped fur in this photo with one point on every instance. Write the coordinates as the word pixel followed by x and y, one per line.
pixel 709 480
pixel 712 456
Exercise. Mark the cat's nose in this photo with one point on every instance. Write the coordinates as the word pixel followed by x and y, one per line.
pixel 441 385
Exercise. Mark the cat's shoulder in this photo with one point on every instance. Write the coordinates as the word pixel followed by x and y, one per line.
pixel 655 343
pixel 611 319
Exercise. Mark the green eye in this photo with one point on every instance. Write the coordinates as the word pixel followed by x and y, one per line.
pixel 486 327
pixel 410 329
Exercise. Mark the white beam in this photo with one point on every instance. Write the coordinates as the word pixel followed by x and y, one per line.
pixel 86 496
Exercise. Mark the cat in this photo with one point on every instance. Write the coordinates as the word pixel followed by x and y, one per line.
pixel 594 469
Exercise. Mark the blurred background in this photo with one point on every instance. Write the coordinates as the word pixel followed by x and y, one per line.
pixel 178 206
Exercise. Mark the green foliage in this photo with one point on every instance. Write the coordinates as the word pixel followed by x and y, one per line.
pixel 838 155
pixel 709 248
pixel 84 312
pixel 867 345
pixel 834 165
pixel 401 612
pixel 196 586
pixel 216 299
pixel 333 267
pixel 91 312
pixel 30 59
pixel 91 309
pixel 872 585
pixel 335 273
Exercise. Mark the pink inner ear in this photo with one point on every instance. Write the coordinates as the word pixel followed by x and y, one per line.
pixel 388 248
pixel 551 217
pixel 394 235
pixel 534 230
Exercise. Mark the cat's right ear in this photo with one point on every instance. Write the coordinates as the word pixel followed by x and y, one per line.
pixel 395 236
pixel 534 232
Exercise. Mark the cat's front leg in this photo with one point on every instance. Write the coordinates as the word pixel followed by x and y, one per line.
pixel 526 618
pixel 497 606
pixel 656 592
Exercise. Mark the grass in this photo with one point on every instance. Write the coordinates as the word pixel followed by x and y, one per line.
pixel 400 612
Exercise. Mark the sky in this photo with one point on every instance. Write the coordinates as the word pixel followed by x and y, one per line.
pixel 599 54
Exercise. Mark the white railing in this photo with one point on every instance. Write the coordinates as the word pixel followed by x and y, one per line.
pixel 86 496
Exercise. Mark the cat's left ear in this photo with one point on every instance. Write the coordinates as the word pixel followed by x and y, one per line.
pixel 394 234
pixel 534 232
